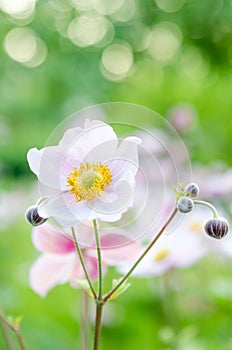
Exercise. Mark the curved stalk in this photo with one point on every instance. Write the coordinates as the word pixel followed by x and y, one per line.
pixel 125 277
pixel 208 205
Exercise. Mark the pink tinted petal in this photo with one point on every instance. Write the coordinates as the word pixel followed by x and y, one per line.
pixel 65 210
pixel 84 234
pixel 50 270
pixel 92 267
pixel 91 263
pixel 118 249
pixel 49 240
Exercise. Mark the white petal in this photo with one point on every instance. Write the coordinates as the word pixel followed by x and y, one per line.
pixel 96 142
pixel 125 159
pixel 50 166
pixel 49 270
pixel 112 211
pixel 64 209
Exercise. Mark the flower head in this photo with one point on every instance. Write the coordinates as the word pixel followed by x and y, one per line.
pixel 88 175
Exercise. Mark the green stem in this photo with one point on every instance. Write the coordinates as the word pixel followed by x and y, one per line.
pixel 99 301
pixel 20 339
pixel 7 335
pixel 125 277
pixel 98 320
pixel 16 329
pixel 84 336
pixel 208 205
pixel 98 245
pixel 83 263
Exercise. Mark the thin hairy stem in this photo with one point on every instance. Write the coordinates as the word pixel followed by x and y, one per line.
pixel 98 246
pixel 83 263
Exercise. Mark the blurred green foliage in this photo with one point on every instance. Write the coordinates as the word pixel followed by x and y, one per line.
pixel 35 99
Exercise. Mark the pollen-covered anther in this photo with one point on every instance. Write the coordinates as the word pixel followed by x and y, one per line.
pixel 88 180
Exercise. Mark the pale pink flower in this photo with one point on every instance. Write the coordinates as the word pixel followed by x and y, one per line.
pixel 183 116
pixel 184 246
pixel 59 262
pixel 88 175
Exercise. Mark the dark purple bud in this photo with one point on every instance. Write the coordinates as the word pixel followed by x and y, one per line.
pixel 192 189
pixel 217 228
pixel 33 217
pixel 185 204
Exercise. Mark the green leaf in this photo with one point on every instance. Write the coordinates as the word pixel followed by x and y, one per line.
pixel 18 320
pixel 85 285
pixel 120 290
pixel 181 186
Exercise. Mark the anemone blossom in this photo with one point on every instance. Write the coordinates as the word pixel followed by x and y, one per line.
pixel 88 175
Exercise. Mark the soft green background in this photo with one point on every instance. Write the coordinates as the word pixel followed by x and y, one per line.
pixel 35 100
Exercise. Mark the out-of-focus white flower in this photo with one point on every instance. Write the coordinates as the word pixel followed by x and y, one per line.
pixel 183 247
pixel 89 174
pixel 59 262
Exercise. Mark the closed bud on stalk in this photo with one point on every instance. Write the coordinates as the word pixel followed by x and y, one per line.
pixel 192 189
pixel 33 217
pixel 217 228
pixel 185 205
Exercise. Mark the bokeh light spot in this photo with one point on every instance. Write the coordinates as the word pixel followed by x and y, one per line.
pixel 88 29
pixel 24 46
pixel 83 5
pixel 165 41
pixel 170 6
pixel 126 12
pixel 117 60
pixel 18 9
pixel 107 7
pixel 193 64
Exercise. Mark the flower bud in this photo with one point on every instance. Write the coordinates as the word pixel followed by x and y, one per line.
pixel 217 228
pixel 192 189
pixel 33 217
pixel 185 205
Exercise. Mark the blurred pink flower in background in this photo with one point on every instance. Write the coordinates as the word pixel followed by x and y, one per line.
pixel 183 246
pixel 183 116
pixel 59 262
pixel 215 180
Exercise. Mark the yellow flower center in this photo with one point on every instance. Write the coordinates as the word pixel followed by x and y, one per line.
pixel 195 226
pixel 88 180
pixel 161 254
